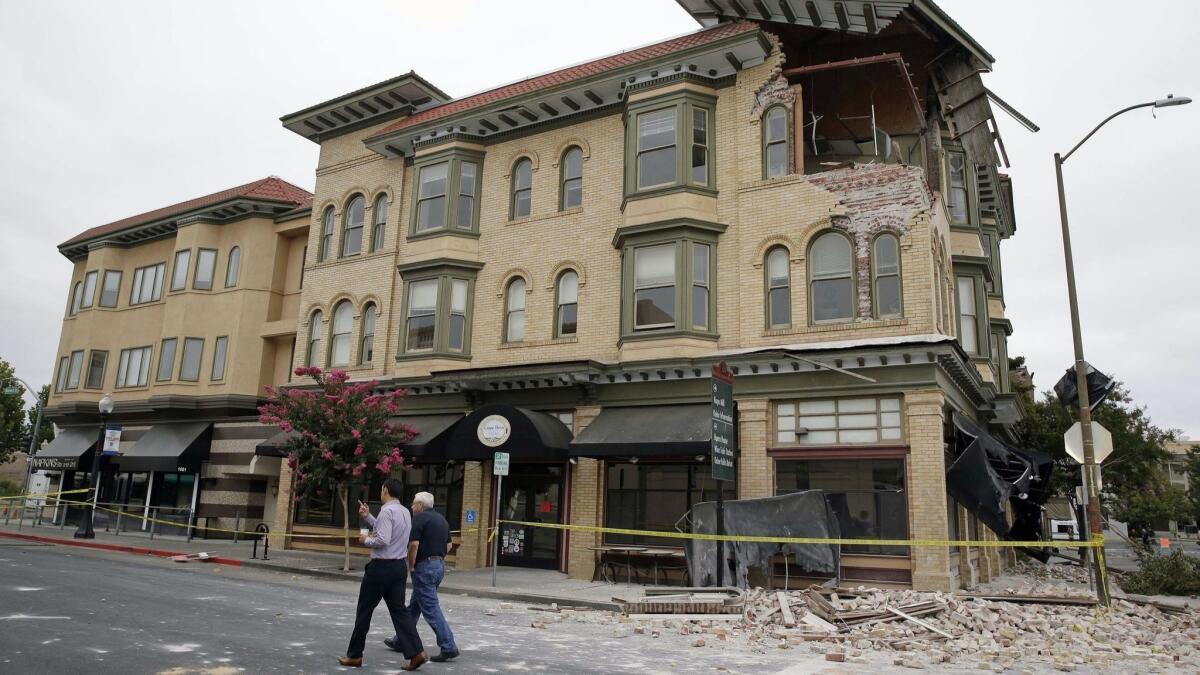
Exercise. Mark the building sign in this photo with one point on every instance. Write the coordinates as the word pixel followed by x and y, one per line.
pixel 500 464
pixel 55 463
pixel 723 467
pixel 494 430
pixel 112 440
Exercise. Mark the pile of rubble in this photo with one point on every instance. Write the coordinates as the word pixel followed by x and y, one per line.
pixel 1036 623
pixel 1072 573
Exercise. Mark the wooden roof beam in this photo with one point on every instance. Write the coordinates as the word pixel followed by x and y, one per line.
pixel 843 17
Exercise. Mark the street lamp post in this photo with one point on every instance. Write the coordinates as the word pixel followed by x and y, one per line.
pixel 1085 412
pixel 37 425
pixel 85 530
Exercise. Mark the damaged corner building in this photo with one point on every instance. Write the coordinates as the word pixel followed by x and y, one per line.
pixel 812 192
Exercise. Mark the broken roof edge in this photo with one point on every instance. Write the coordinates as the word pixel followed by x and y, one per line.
pixel 834 345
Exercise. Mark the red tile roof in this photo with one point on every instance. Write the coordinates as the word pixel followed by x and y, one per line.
pixel 272 188
pixel 572 73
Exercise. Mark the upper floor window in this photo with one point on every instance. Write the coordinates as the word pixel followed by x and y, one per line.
pixel 838 421
pixel 656 151
pixel 654 286
pixel 572 178
pixel 97 360
pixel 775 142
pixel 831 267
pixel 422 315
pixel 147 284
pixel 885 275
pixel 566 320
pixel 340 328
pixel 233 267
pixel 431 196
pixel 779 289
pixel 89 289
pixel 958 194
pixel 457 330
pixel 379 217
pixel 514 311
pixel 325 244
pixel 77 298
pixel 179 273
pixel 60 382
pixel 352 226
pixel 189 360
pixel 313 356
pixel 206 268
pixel 968 318
pixel 465 217
pixel 366 346
pixel 111 288
pixel 75 369
pixel 700 285
pixel 669 142
pixel 667 278
pixel 447 193
pixel 166 359
pixel 133 368
pixel 700 146
pixel 522 189
pixel 436 310
pixel 220 347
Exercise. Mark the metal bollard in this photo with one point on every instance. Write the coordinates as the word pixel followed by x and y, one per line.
pixel 190 518
pixel 153 521
pixel 117 531
pixel 237 525
pixel 264 531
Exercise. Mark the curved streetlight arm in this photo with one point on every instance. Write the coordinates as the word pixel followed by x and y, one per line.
pixel 1106 121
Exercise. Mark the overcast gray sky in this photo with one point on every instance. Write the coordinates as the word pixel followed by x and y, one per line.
pixel 110 109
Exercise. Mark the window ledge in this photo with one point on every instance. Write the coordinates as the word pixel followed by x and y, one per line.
pixel 539 343
pixel 777 181
pixel 649 193
pixel 664 333
pixel 444 232
pixel 834 327
pixel 457 356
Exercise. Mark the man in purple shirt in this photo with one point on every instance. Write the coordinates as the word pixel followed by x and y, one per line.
pixel 384 579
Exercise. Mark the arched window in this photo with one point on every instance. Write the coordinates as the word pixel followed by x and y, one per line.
pixel 325 246
pixel 352 224
pixel 566 315
pixel 779 289
pixel 232 268
pixel 379 217
pixel 366 344
pixel 885 276
pixel 775 142
pixel 340 328
pixel 514 313
pixel 831 266
pixel 522 189
pixel 572 178
pixel 313 357
pixel 77 298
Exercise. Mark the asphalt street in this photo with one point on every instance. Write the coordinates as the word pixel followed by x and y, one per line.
pixel 69 610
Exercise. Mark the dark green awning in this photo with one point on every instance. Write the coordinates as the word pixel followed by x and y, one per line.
pixel 67 450
pixel 647 431
pixel 177 447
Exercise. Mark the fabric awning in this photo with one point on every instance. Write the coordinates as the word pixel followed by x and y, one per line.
pixel 175 447
pixel 275 446
pixel 433 433
pixel 647 431
pixel 69 451
pixel 524 434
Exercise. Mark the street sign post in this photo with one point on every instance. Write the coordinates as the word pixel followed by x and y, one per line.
pixel 722 450
pixel 1101 442
pixel 499 470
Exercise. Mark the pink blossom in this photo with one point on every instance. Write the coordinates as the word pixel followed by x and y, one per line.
pixel 358 451
pixel 355 433
pixel 327 455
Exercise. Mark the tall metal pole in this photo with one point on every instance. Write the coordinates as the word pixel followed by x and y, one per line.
pixel 85 530
pixel 496 518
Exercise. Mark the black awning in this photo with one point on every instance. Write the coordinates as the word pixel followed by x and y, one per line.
pixel 524 434
pixel 176 447
pixel 433 433
pixel 275 446
pixel 69 451
pixel 647 431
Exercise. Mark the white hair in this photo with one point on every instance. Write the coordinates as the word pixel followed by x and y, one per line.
pixel 425 499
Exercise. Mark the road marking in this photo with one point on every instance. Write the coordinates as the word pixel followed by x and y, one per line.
pixel 27 588
pixel 21 617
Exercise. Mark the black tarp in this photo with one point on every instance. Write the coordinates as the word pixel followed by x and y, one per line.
pixel 1099 387
pixel 800 514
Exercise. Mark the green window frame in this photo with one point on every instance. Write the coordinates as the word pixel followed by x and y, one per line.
pixel 833 281
pixel 887 287
pixel 566 304
pixel 379 221
pixel 967 296
pixel 366 341
pixel 776 141
pixel 440 327
pixel 669 143
pixel 570 179
pixel 520 203
pixel 669 268
pixel 353 222
pixel 777 275
pixel 446 194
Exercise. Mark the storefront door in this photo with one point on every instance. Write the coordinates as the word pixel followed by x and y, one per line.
pixel 531 493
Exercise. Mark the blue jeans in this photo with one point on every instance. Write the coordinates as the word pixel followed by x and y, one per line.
pixel 426 577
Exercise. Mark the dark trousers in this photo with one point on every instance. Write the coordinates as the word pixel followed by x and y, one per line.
pixel 384 580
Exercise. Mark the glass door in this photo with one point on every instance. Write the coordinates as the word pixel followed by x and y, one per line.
pixel 531 494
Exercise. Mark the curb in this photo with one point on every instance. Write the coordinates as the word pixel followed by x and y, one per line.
pixel 136 550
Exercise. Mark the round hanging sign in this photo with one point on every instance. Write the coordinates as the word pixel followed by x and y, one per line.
pixel 494 430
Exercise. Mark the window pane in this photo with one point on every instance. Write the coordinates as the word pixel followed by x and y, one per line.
pixel 887 258
pixel 206 263
pixel 180 272
pixel 832 299
pixel 777 160
pixel 887 292
pixel 654 307
pixel 166 359
pixel 458 314
pixel 654 265
pixel 218 366
pixel 133 375
pixel 353 223
pixel 831 255
pixel 568 319
pixel 326 242
pixel 422 310
pixel 699 146
pixel 189 368
pixel 786 409
pixel 135 289
pixel 858 436
pixel 431 213
pixel 76 367
pixel 466 194
pixel 966 295
pixel 889 404
pixel 111 289
pixel 572 193
pixel 232 268
pixel 568 288
pixel 866 496
pixel 122 369
pixel 656 167
pixel 433 180
pixel 61 382
pixel 856 405
pixel 523 175
pixel 573 163
pixel 777 125
pixel 379 213
pixel 516 295
pixel 699 263
pixel 817 407
pixel 458 296
pixel 89 288
pixel 521 203
pixel 700 307
pixel 656 129
pixel 780 305
pixel 786 423
pixel 96 363
pixel 516 326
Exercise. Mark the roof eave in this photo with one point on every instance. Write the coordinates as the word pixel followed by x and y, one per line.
pixel 373 104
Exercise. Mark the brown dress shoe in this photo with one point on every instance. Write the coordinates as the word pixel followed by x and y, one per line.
pixel 415 662
pixel 348 661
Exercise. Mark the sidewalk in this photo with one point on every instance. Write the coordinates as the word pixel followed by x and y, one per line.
pixel 513 583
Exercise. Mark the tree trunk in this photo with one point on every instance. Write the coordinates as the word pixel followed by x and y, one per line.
pixel 342 494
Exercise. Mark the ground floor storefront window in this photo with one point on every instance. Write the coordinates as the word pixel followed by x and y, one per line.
pixel 444 482
pixel 867 496
pixel 657 496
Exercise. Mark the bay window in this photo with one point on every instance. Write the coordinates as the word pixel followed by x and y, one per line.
pixel 669 278
pixel 669 142
pixel 437 309
pixel 446 194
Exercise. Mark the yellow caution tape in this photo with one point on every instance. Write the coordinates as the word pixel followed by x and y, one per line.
pixel 46 494
pixel 1097 542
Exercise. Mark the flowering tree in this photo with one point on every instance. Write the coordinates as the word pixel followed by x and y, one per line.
pixel 341 432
